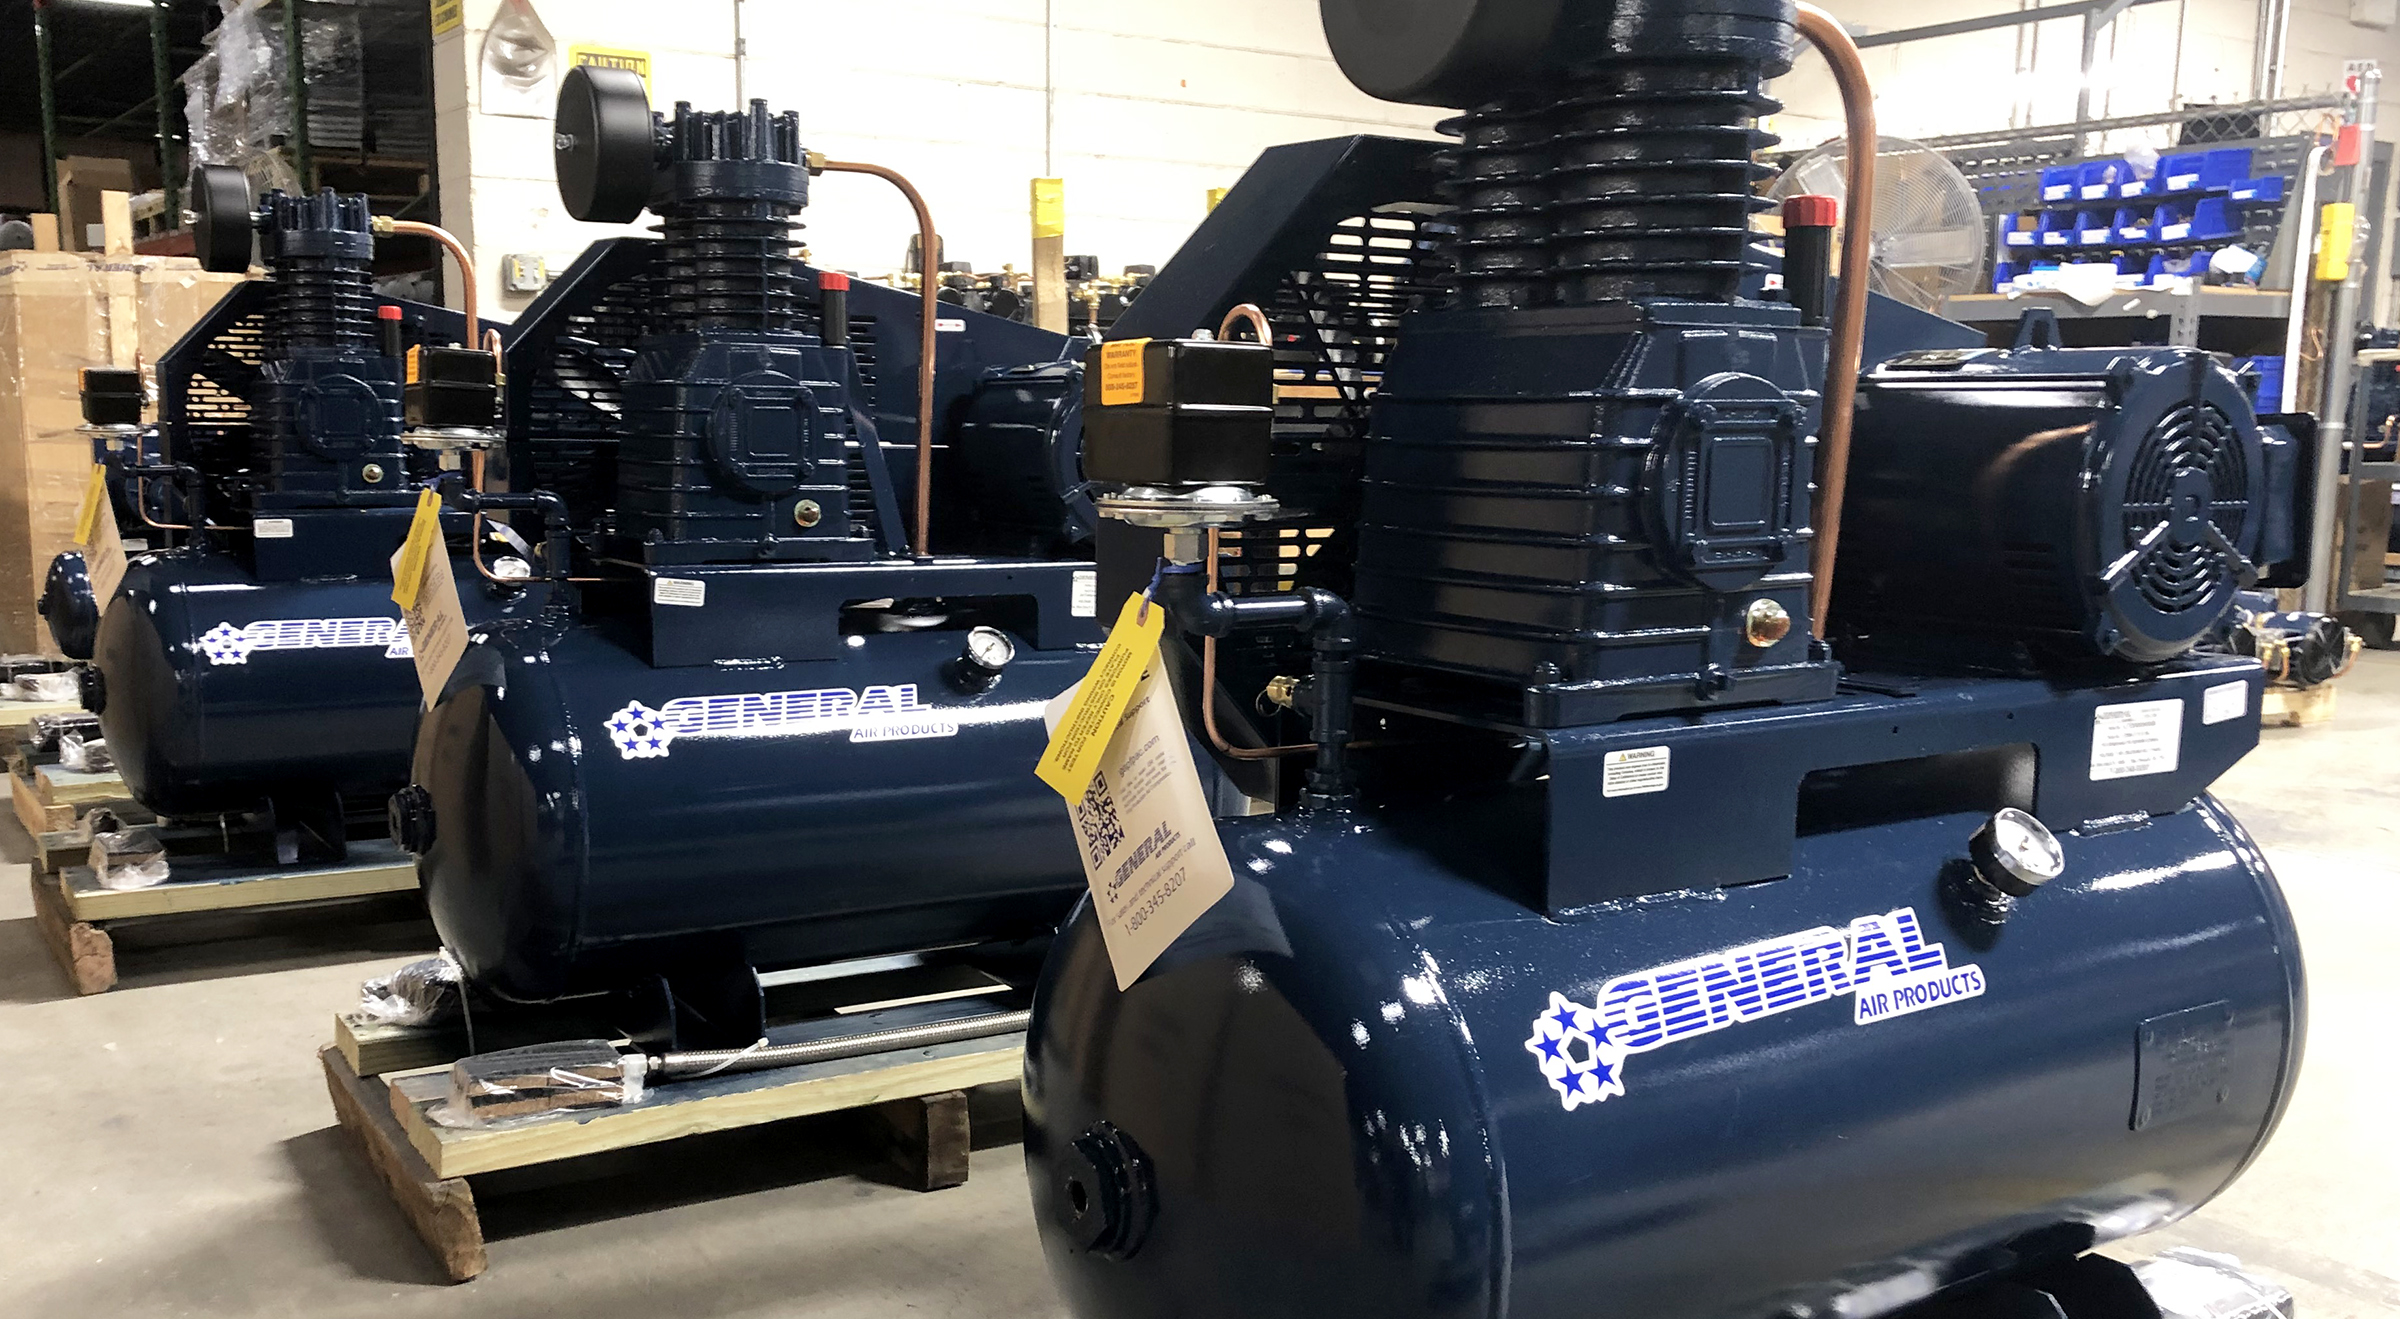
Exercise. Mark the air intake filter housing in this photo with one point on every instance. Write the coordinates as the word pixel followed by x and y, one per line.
pixel 2065 503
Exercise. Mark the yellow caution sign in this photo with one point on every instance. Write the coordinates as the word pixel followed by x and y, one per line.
pixel 636 62
pixel 1076 745
pixel 95 498
pixel 2336 241
pixel 424 535
pixel 1049 208
pixel 1121 372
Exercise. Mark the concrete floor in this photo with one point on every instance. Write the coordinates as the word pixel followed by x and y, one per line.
pixel 167 1149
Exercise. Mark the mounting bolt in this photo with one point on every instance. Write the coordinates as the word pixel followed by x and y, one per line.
pixel 807 513
pixel 1765 622
pixel 372 473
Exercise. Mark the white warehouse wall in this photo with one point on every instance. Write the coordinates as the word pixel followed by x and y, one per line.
pixel 1142 106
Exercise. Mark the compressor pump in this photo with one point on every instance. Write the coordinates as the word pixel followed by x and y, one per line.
pixel 775 716
pixel 1661 926
pixel 258 668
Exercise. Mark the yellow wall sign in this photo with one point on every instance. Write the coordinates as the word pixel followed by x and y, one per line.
pixel 636 62
pixel 448 16
pixel 1049 208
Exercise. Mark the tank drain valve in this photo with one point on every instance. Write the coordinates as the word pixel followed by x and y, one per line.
pixel 2015 853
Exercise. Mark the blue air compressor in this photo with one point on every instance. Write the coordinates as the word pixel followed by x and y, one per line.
pixel 779 712
pixel 1649 934
pixel 258 667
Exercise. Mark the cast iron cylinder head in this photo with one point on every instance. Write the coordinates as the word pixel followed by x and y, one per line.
pixel 726 184
pixel 1606 152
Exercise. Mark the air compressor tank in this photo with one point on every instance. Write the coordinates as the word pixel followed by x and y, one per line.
pixel 1413 1104
pixel 1646 938
pixel 779 717
pixel 259 663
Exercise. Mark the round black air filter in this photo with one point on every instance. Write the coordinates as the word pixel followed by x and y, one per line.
pixel 224 218
pixel 603 144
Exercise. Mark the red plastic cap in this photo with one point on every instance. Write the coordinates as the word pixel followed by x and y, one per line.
pixel 2346 147
pixel 387 312
pixel 1809 210
pixel 832 282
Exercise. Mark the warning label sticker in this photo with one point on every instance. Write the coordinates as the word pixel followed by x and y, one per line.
pixel 2225 701
pixel 1632 773
pixel 2138 738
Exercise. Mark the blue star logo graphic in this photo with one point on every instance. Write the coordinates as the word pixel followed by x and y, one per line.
pixel 639 732
pixel 226 644
pixel 1576 1053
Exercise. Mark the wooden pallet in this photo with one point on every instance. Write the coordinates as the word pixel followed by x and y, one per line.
pixel 387 1081
pixel 74 913
pixel 2297 707
pixel 917 1098
pixel 49 798
pixel 17 716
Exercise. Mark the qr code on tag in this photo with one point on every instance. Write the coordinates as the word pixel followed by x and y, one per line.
pixel 1096 821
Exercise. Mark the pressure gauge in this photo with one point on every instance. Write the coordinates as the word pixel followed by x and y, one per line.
pixel 977 668
pixel 2016 853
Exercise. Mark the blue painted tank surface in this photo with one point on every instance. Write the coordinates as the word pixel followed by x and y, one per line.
pixel 67 605
pixel 221 691
pixel 1367 1085
pixel 593 818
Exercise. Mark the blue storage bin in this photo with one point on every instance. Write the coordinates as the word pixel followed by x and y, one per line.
pixel 2057 229
pixel 2221 169
pixel 2059 182
pixel 2099 180
pixel 2269 394
pixel 2018 230
pixel 2137 187
pixel 2003 275
pixel 2180 173
pixel 2133 225
pixel 2157 270
pixel 2214 218
pixel 2268 189
pixel 2092 229
pixel 2172 224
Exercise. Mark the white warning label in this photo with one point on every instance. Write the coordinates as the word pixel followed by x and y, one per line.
pixel 678 591
pixel 1632 773
pixel 2225 701
pixel 1083 599
pixel 2138 738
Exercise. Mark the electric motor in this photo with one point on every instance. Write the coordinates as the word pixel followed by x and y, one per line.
pixel 2098 502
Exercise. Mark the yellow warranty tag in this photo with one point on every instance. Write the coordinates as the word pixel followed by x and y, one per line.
pixel 1121 372
pixel 408 374
pixel 2336 240
pixel 1073 755
pixel 95 498
pixel 424 533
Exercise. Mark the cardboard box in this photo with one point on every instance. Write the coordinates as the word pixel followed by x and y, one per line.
pixel 61 312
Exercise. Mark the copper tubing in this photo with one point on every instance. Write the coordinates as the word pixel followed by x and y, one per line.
pixel 929 260
pixel 1248 311
pixel 458 253
pixel 1208 656
pixel 1826 33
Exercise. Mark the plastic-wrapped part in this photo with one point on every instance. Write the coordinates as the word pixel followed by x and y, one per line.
pixel 539 1079
pixel 422 993
pixel 85 754
pixel 2197 1284
pixel 48 730
pixel 129 858
pixel 49 687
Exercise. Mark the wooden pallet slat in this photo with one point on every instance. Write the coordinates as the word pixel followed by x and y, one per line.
pixel 2297 707
pixel 441 1209
pixel 88 901
pixel 84 951
pixel 690 1108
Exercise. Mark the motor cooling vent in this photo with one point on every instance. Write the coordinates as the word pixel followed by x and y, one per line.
pixel 2187 498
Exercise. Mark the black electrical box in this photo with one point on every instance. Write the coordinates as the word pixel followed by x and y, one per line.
pixel 112 397
pixel 1179 412
pixel 452 389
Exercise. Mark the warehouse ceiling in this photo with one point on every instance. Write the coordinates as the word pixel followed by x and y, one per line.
pixel 100 53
